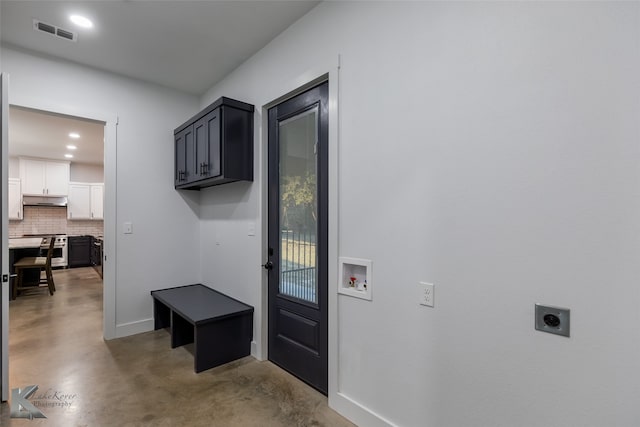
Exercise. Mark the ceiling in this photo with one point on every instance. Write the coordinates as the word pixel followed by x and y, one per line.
pixel 34 133
pixel 184 45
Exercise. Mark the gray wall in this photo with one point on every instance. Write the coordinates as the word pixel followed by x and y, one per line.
pixel 489 148
pixel 163 220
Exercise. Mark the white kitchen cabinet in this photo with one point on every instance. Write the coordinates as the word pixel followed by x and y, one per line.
pixel 85 201
pixel 97 201
pixel 44 177
pixel 15 199
pixel 79 201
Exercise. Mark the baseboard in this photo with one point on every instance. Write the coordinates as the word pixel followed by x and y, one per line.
pixel 133 328
pixel 254 350
pixel 356 412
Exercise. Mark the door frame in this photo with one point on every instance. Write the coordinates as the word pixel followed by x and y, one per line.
pixel 110 191
pixel 326 69
pixel 4 244
pixel 321 68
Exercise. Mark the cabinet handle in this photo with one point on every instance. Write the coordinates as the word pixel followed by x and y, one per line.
pixel 205 168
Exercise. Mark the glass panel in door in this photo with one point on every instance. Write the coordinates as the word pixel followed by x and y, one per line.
pixel 298 206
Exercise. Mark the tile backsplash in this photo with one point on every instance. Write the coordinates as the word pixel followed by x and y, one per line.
pixel 52 220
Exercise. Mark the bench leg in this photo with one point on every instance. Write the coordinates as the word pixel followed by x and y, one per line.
pixel 181 331
pixel 220 342
pixel 161 315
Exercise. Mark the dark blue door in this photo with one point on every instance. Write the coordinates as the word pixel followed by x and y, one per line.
pixel 298 187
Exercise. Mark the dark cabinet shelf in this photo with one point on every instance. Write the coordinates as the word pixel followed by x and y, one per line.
pixel 215 146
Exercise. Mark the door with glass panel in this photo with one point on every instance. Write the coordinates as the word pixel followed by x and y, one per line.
pixel 298 155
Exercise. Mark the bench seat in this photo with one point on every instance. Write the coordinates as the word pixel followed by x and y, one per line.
pixel 220 327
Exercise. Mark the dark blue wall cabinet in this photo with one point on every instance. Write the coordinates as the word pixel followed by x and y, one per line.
pixel 215 146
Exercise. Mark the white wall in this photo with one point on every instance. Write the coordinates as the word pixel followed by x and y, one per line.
pixel 162 250
pixel 84 172
pixel 491 148
pixel 14 167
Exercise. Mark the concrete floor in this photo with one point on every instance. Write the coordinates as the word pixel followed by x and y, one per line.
pixel 55 342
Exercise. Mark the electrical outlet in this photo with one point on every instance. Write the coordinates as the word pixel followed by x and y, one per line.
pixel 554 320
pixel 425 296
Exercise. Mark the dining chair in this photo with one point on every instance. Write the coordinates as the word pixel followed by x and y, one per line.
pixel 40 263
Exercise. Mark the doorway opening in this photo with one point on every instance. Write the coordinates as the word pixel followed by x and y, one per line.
pixel 66 153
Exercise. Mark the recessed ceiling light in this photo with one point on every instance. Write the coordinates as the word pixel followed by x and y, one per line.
pixel 81 21
pixel 72 147
pixel 74 135
pixel 68 156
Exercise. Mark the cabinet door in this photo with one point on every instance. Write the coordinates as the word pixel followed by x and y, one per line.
pixel 179 155
pixel 207 143
pixel 32 173
pixel 79 201
pixel 185 160
pixel 79 254
pixel 97 201
pixel 57 178
pixel 15 199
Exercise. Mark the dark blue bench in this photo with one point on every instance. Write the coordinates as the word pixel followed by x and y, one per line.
pixel 220 327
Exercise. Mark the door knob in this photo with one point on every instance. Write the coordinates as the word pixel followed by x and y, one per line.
pixel 268 265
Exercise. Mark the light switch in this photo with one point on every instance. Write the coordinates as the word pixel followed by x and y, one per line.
pixel 251 229
pixel 128 228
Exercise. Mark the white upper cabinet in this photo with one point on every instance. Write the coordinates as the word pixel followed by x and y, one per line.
pixel 86 201
pixel 79 201
pixel 57 178
pixel 32 173
pixel 97 201
pixel 15 199
pixel 44 177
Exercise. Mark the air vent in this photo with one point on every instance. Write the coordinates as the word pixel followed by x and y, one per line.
pixel 65 34
pixel 54 31
pixel 46 28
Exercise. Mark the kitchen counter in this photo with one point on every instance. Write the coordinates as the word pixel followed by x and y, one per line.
pixel 25 242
